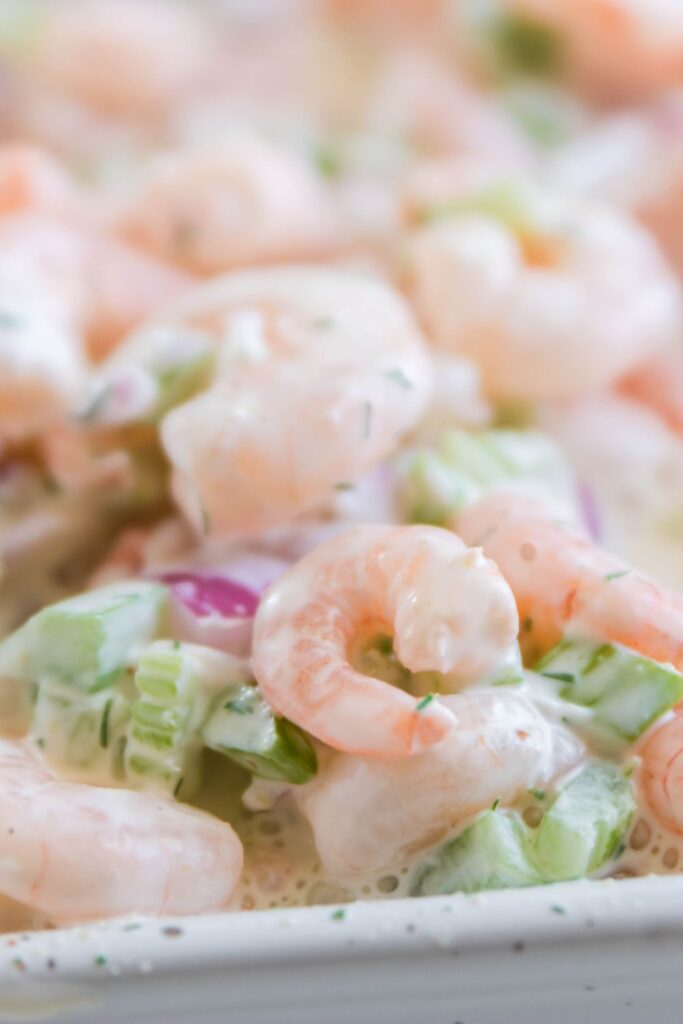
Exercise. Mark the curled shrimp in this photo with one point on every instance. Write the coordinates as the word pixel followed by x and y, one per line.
pixel 125 58
pixel 564 582
pixel 366 815
pixel 317 373
pixel 550 297
pixel 105 286
pixel 447 606
pixel 77 852
pixel 242 203
pixel 635 159
pixel 616 49
pixel 661 770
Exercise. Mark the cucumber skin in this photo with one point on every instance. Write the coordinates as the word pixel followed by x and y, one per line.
pixel 574 839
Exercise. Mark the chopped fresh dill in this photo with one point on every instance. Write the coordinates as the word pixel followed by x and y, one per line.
pixel 104 724
pixel 495 803
pixel 537 794
pixel 398 377
pixel 562 677
pixel 344 485
pixel 558 909
pixel 617 575
pixel 425 702
pixel 338 915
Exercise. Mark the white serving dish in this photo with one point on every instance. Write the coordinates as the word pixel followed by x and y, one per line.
pixel 579 953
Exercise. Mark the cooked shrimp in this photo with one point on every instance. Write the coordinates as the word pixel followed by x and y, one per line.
pixel 617 49
pixel 448 607
pixel 661 770
pixel 78 852
pixel 367 814
pixel 549 296
pixel 318 373
pixel 127 58
pixel 244 202
pixel 634 159
pixel 563 582
pixel 658 383
pixel 105 286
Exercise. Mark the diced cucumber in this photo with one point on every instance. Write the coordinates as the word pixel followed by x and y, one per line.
pixel 578 834
pixel 583 828
pixel 176 684
pixel 87 640
pixel 243 727
pixel 437 482
pixel 625 691
pixel 490 854
pixel 82 734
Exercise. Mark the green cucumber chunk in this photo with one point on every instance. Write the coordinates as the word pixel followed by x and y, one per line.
pixel 580 832
pixel 436 483
pixel 243 727
pixel 490 854
pixel 585 825
pixel 625 691
pixel 81 734
pixel 86 641
pixel 176 684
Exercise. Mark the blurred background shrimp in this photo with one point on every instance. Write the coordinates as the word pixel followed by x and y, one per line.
pixel 549 296
pixel 315 374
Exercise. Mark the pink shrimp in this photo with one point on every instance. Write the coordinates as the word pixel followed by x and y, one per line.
pixel 661 770
pixel 79 852
pixel 658 383
pixel 562 581
pixel 449 607
pixel 105 286
pixel 241 203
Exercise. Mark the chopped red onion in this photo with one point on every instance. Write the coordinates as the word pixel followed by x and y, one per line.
pixel 217 608
pixel 589 510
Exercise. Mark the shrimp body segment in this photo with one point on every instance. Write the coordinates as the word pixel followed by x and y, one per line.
pixel 243 203
pixel 447 607
pixel 564 583
pixel 661 771
pixel 78 852
pixel 317 374
pixel 548 297
pixel 367 814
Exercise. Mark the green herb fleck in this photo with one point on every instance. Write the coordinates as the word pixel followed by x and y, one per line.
pixel 328 159
pixel 345 485
pixel 425 702
pixel 495 803
pixel 176 788
pixel 19 963
pixel 617 575
pixel 100 961
pixel 562 677
pixel 176 645
pixel 239 707
pixel 40 743
pixel 338 915
pixel 558 909
pixel 93 410
pixel 398 377
pixel 537 794
pixel 104 724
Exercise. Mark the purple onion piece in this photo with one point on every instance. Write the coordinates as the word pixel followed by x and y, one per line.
pixel 589 510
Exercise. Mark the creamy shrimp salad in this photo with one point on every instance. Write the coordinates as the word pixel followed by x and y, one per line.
pixel 341 450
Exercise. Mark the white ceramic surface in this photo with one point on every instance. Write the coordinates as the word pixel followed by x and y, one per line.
pixel 579 953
